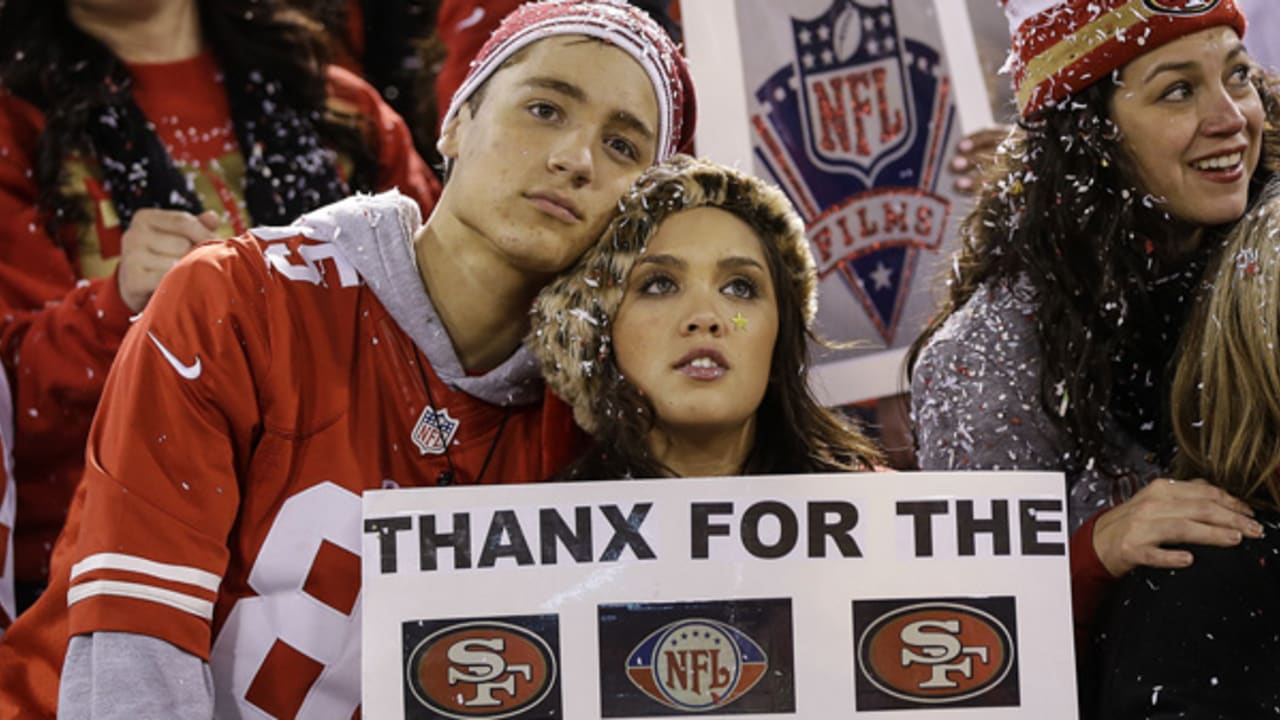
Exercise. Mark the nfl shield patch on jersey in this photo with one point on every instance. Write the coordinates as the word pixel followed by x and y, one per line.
pixel 434 431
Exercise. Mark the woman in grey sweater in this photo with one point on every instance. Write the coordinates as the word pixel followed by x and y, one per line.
pixel 1141 138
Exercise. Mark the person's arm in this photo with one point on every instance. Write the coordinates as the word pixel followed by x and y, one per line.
pixel 1090 582
pixel 975 392
pixel 463 27
pixel 399 164
pixel 1201 642
pixel 8 508
pixel 167 456
pixel 976 403
pixel 58 334
pixel 110 676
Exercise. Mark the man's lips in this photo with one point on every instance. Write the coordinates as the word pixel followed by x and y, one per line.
pixel 556 205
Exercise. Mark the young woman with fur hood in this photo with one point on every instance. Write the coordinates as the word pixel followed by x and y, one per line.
pixel 680 339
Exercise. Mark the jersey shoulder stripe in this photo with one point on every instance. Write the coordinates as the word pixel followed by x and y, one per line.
pixel 132 563
pixel 139 591
pixel 102 574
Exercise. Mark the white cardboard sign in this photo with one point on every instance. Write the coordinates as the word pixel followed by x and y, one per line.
pixel 884 595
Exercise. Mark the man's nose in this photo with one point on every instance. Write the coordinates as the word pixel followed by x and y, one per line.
pixel 572 156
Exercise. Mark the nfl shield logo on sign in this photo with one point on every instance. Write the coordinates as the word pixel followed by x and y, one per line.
pixel 854 129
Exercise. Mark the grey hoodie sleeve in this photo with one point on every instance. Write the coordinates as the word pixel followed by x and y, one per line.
pixel 975 391
pixel 975 401
pixel 110 675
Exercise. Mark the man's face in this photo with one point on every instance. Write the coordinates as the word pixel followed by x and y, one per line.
pixel 539 166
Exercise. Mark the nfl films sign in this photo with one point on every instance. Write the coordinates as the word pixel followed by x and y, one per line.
pixel 852 107
pixel 939 595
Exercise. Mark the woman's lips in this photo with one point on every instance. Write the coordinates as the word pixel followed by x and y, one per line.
pixel 703 364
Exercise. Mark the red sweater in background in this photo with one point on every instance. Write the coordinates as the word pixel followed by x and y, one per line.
pixel 61 315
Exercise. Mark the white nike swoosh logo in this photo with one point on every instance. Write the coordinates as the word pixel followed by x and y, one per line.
pixel 190 372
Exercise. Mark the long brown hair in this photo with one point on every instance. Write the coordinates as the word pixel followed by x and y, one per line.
pixel 1062 209
pixel 572 317
pixel 1226 391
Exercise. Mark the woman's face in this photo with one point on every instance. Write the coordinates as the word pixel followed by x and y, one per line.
pixel 1191 121
pixel 696 329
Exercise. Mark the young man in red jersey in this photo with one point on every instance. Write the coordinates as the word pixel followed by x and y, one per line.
pixel 210 565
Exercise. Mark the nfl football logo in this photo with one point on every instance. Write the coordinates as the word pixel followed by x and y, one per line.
pixel 434 431
pixel 717 657
pixel 854 128
pixel 697 664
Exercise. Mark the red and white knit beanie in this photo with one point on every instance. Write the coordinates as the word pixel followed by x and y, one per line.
pixel 1061 47
pixel 615 21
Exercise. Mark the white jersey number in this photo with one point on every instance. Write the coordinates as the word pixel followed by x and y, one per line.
pixel 283 612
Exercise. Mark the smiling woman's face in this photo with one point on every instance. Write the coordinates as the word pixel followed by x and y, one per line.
pixel 1191 121
pixel 696 329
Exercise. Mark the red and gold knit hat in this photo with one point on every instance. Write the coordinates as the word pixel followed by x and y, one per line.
pixel 614 21
pixel 1061 47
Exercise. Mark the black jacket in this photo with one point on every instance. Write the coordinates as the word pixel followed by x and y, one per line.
pixel 1201 642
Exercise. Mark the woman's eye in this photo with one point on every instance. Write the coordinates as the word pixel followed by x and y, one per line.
pixel 1177 91
pixel 657 285
pixel 1241 74
pixel 741 288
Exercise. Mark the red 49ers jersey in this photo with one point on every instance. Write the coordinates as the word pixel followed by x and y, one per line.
pixel 262 391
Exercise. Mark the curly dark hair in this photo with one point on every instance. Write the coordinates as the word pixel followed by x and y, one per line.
pixel 1062 209
pixel 48 61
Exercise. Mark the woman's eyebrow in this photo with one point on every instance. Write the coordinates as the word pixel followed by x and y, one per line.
pixel 1237 49
pixel 663 261
pixel 739 261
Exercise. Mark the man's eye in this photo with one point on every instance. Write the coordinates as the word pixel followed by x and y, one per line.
pixel 544 111
pixel 623 147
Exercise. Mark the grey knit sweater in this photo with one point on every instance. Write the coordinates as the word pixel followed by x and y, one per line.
pixel 975 400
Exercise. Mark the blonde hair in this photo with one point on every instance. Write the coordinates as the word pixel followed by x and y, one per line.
pixel 1226 389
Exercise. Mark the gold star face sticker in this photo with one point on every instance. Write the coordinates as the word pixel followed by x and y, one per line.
pixel 739 322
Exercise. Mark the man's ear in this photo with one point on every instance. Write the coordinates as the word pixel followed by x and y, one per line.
pixel 449 136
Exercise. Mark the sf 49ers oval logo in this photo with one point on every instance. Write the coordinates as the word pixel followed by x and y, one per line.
pixel 696 664
pixel 481 670
pixel 936 652
pixel 1182 7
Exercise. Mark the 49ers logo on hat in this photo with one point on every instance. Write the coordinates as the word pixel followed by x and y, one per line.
pixel 1182 7
pixel 916 653
pixel 485 668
